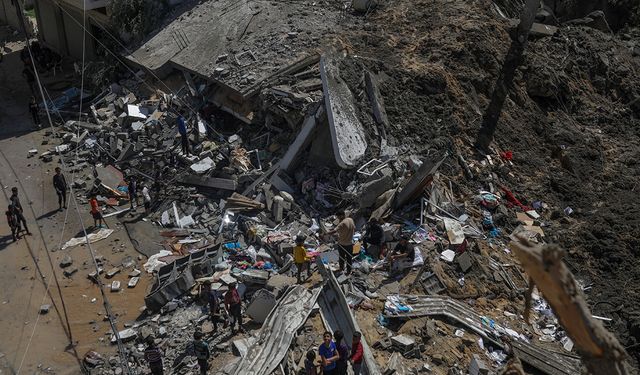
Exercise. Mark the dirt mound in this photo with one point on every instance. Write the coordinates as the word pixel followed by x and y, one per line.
pixel 571 119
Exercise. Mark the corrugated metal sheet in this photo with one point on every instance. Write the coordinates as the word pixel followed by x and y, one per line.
pixel 274 338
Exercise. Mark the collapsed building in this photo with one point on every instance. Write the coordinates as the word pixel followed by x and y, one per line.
pixel 282 134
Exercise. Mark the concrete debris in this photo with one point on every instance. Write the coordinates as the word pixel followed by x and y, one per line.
pixel 250 195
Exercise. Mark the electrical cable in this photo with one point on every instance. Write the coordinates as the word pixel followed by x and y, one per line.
pixel 123 359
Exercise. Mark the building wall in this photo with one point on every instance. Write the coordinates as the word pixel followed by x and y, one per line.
pixel 49 20
pixel 61 28
pixel 72 21
pixel 8 14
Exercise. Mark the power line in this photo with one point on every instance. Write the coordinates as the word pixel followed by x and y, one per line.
pixel 66 216
pixel 123 359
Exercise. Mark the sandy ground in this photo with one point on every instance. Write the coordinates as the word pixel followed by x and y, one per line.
pixel 31 342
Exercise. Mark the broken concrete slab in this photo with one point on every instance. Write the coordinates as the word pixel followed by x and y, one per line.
pixel 210 182
pixel 347 133
pixel 337 314
pixel 373 189
pixel 261 304
pixel 538 29
pixel 418 182
pixel 291 158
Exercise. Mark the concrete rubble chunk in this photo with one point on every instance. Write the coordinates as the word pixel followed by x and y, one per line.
pixel 66 261
pixel 347 133
pixel 373 189
pixel 44 309
pixel 478 366
pixel 261 304
pixel 115 286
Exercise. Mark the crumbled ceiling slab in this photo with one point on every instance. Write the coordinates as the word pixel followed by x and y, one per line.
pixel 238 44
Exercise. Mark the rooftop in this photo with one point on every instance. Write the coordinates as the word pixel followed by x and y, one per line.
pixel 239 43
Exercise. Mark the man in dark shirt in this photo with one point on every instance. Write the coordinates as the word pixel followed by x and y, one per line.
pixel 133 192
pixel 153 356
pixel 184 136
pixel 374 238
pixel 60 184
pixel 15 202
pixel 403 255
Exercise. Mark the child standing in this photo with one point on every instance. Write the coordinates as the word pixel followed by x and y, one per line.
pixel 309 364
pixel 300 257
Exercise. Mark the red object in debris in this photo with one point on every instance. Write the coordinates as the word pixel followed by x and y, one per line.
pixel 507 155
pixel 513 201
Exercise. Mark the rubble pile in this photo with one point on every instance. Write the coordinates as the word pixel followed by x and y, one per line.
pixel 387 138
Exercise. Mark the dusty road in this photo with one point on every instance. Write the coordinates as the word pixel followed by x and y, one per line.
pixel 32 342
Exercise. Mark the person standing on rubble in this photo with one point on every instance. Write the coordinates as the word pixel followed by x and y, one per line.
pixel 233 304
pixel 95 212
pixel 357 353
pixel 210 297
pixel 329 354
pixel 403 255
pixel 374 238
pixel 18 211
pixel 153 356
pixel 60 184
pixel 146 198
pixel 343 352
pixel 35 111
pixel 201 351
pixel 184 136
pixel 133 192
pixel 345 230
pixel 300 257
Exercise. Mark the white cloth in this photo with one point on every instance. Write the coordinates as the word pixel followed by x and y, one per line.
pixel 145 194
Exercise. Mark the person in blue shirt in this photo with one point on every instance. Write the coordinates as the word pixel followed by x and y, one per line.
pixel 184 137
pixel 329 354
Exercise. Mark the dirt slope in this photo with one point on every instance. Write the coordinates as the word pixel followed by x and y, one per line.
pixel 572 121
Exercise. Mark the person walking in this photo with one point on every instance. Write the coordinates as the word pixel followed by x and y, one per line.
pixel 201 351
pixel 60 184
pixel 12 221
pixel 343 352
pixel 233 304
pixel 184 136
pixel 133 192
pixel 345 230
pixel 153 356
pixel 357 353
pixel 95 212
pixel 35 111
pixel 329 354
pixel 18 211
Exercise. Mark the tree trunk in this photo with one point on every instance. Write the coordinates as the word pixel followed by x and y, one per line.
pixel 511 63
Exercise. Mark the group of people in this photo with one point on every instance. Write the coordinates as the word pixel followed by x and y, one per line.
pixel 199 347
pixel 335 355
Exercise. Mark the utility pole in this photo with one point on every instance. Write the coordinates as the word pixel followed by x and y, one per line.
pixel 511 63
